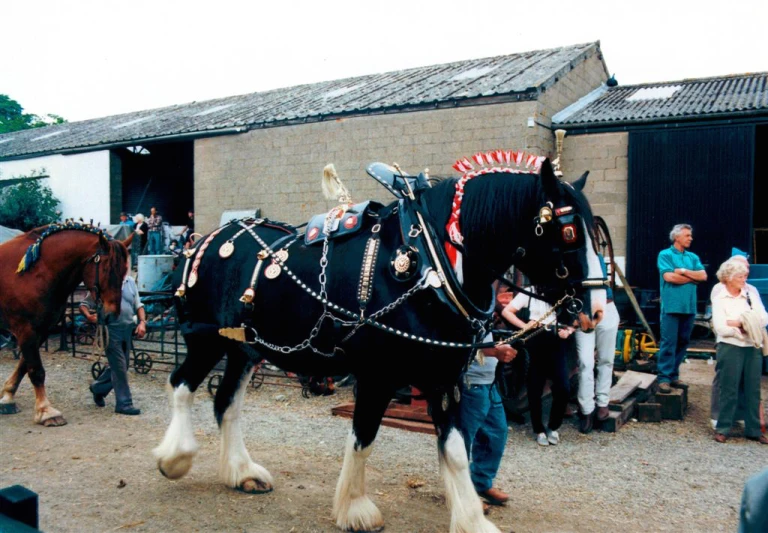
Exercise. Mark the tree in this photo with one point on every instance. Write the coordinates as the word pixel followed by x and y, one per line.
pixel 13 118
pixel 28 205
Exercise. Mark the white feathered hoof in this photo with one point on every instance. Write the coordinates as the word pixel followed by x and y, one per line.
pixel 177 466
pixel 255 486
pixel 479 525
pixel 361 515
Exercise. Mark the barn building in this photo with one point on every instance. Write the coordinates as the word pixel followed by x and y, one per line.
pixel 666 153
pixel 267 150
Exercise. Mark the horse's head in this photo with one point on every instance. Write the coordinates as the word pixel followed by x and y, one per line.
pixel 104 273
pixel 563 252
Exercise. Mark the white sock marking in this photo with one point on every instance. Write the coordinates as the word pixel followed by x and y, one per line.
pixel 352 508
pixel 178 448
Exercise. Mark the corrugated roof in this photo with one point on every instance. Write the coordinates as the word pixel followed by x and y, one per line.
pixel 462 81
pixel 686 99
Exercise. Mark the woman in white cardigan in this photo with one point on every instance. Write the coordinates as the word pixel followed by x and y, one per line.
pixel 739 355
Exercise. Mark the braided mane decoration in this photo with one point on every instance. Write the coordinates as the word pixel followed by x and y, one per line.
pixel 33 252
pixel 524 163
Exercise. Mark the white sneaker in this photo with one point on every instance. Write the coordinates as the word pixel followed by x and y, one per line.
pixel 713 423
pixel 553 437
pixel 541 439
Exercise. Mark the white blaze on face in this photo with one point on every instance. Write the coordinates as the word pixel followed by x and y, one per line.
pixel 598 297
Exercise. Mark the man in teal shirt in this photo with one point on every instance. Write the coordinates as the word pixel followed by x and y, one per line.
pixel 679 271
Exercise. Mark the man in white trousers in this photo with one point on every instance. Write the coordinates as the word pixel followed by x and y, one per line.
pixel 602 339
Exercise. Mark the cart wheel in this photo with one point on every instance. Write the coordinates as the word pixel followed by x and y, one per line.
pixel 85 339
pixel 213 384
pixel 257 379
pixel 142 363
pixel 97 369
pixel 305 392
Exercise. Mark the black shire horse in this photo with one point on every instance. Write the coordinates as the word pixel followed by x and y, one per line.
pixel 380 300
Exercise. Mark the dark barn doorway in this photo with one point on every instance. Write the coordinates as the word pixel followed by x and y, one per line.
pixel 700 176
pixel 159 175
pixel 760 216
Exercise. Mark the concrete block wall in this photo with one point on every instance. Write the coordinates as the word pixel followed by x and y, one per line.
pixel 604 155
pixel 279 169
pixel 581 80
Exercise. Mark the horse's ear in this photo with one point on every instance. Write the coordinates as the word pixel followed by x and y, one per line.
pixel 549 181
pixel 581 182
pixel 127 242
pixel 104 242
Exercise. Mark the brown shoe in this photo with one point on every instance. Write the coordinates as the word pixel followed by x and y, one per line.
pixel 719 437
pixel 762 439
pixel 486 509
pixel 602 413
pixel 677 384
pixel 494 496
pixel 586 423
pixel 665 387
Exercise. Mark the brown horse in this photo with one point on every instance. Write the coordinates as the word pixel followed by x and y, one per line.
pixel 38 271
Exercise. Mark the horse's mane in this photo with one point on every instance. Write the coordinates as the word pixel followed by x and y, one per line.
pixel 32 254
pixel 491 199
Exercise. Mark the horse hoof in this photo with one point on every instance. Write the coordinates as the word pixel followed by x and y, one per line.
pixel 254 486
pixel 177 468
pixel 53 422
pixel 9 409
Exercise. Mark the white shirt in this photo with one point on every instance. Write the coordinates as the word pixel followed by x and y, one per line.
pixel 726 307
pixel 538 308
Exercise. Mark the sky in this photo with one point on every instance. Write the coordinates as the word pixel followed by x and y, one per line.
pixel 85 59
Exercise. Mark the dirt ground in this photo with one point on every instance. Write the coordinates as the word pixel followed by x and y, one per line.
pixel 97 472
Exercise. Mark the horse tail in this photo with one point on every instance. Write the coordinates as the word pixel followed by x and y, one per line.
pixel 333 188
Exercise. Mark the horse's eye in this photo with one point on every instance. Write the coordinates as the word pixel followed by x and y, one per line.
pixel 569 233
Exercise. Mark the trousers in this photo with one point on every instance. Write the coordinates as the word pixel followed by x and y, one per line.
pixel 483 425
pixel 735 363
pixel 604 340
pixel 676 331
pixel 115 377
pixel 548 355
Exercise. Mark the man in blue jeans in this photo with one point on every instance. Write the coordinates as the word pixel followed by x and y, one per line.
pixel 679 270
pixel 483 423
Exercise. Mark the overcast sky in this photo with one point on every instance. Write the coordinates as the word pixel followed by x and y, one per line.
pixel 85 59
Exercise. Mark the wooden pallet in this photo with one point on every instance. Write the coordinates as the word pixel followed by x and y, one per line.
pixel 407 417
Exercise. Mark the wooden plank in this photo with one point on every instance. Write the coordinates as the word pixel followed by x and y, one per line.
pixel 646 380
pixel 618 417
pixel 408 425
pixel 623 389
pixel 673 405
pixel 649 412
pixel 395 410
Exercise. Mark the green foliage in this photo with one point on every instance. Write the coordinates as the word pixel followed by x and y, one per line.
pixel 28 205
pixel 13 118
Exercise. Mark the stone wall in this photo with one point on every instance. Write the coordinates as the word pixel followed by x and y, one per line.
pixel 605 156
pixel 279 169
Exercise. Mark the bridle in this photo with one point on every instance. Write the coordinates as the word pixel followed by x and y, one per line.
pixel 96 260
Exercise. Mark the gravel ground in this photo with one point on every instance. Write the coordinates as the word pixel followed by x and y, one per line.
pixel 647 477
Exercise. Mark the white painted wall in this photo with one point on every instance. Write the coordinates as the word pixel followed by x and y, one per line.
pixel 80 181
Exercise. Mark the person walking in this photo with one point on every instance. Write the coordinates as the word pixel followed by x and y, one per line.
pixel 603 338
pixel 120 329
pixel 739 321
pixel 482 421
pixel 679 272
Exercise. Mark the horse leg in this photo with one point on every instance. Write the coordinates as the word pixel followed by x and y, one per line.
pixel 178 448
pixel 463 501
pixel 236 468
pixel 7 405
pixel 353 510
pixel 45 413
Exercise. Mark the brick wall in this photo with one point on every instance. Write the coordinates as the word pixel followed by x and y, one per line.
pixel 279 169
pixel 605 156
